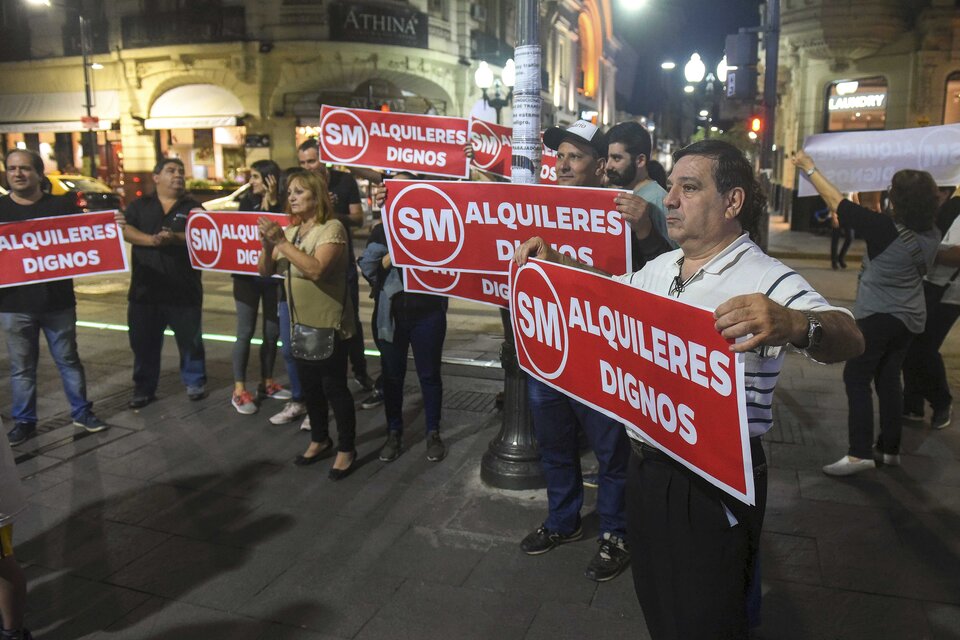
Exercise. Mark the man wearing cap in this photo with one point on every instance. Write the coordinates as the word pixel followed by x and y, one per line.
pixel 557 418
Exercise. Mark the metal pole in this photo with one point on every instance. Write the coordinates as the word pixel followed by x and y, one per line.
pixel 89 135
pixel 512 460
pixel 771 44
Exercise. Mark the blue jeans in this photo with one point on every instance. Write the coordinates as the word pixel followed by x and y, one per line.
pixel 283 312
pixel 23 344
pixel 147 323
pixel 555 421
pixel 425 335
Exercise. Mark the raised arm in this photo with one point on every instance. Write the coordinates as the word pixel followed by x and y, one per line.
pixel 824 187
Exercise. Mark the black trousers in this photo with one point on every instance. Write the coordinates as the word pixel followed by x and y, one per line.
pixel 924 376
pixel 324 384
pixel 692 571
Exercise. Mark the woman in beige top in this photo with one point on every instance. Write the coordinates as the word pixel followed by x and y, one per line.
pixel 312 253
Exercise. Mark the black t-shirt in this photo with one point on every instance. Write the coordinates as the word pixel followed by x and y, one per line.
pixel 44 296
pixel 948 212
pixel 162 275
pixel 344 192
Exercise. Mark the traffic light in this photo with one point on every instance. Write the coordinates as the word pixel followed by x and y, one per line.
pixel 756 124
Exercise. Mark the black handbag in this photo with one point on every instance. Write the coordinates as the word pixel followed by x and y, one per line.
pixel 306 342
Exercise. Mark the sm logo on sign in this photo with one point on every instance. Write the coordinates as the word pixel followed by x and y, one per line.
pixel 487 145
pixel 343 135
pixel 426 225
pixel 203 238
pixel 437 280
pixel 540 322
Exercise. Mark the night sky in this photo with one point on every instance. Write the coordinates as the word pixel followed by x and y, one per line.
pixel 671 30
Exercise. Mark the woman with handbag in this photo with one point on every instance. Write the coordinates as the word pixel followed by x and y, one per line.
pixel 889 309
pixel 312 253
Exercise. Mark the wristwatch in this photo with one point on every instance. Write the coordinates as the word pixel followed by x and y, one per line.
pixel 814 331
pixel 811 171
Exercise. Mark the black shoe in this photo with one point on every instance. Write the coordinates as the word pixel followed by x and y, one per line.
pixel 196 393
pixel 612 558
pixel 21 432
pixel 912 414
pixel 15 634
pixel 591 480
pixel 372 401
pixel 843 265
pixel 340 474
pixel 941 418
pixel 392 448
pixel 139 402
pixel 365 382
pixel 435 449
pixel 303 461
pixel 543 540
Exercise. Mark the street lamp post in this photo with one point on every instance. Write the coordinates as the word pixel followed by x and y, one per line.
pixel 484 79
pixel 512 460
pixel 90 131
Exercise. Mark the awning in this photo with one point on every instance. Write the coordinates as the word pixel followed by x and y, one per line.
pixel 194 106
pixel 55 111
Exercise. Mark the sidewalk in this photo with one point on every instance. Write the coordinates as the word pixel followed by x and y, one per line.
pixel 188 521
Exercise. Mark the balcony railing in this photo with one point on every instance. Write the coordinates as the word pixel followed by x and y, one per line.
pixel 151 29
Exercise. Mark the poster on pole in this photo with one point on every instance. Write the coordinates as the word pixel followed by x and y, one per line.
pixel 654 363
pixel 227 241
pixel 483 288
pixel 60 247
pixel 476 226
pixel 867 160
pixel 392 141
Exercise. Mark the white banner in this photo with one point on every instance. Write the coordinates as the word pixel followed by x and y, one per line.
pixel 867 160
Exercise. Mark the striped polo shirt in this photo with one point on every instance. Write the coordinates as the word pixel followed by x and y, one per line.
pixel 742 268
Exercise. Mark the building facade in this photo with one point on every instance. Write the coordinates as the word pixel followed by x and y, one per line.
pixel 221 84
pixel 864 65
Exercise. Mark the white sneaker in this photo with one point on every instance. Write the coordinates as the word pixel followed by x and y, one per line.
pixel 305 425
pixel 291 411
pixel 888 459
pixel 848 465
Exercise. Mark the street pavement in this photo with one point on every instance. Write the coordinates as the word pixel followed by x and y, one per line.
pixel 187 520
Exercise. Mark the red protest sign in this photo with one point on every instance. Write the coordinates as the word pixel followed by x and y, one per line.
pixel 654 363
pixel 60 247
pixel 226 241
pixel 430 225
pixel 548 166
pixel 492 147
pixel 485 288
pixel 394 141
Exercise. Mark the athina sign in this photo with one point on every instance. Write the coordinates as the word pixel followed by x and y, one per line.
pixel 654 363
pixel 431 145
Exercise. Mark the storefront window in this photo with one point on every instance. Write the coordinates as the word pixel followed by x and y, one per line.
pixel 951 101
pixel 215 155
pixel 854 105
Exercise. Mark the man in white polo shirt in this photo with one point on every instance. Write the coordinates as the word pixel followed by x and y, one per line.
pixel 693 546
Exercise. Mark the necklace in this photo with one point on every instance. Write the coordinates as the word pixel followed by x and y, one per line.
pixel 679 284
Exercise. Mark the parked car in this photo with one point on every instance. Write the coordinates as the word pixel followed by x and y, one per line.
pixel 90 194
pixel 227 203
